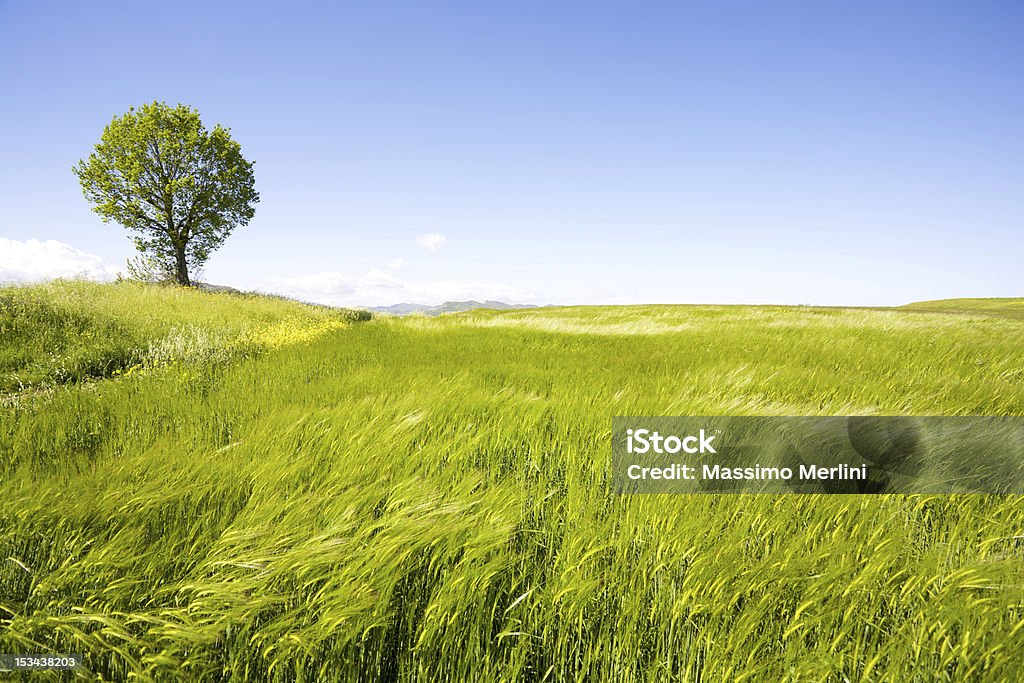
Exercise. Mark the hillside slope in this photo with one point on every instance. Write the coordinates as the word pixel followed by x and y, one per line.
pixel 1006 307
pixel 428 499
pixel 71 330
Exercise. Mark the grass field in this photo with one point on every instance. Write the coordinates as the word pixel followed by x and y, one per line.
pixel 1010 308
pixel 72 331
pixel 429 498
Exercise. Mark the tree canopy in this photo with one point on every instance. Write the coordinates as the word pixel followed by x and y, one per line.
pixel 179 188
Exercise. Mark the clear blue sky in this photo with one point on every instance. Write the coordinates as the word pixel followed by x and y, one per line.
pixel 811 152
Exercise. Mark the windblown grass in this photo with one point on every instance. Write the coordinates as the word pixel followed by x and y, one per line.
pixel 1010 308
pixel 68 331
pixel 428 499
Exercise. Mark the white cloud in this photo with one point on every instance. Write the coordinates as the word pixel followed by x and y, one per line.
pixel 380 288
pixel 398 264
pixel 378 278
pixel 36 260
pixel 323 288
pixel 431 241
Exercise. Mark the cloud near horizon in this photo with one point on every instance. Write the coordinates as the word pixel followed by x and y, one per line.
pixel 431 241
pixel 39 260
pixel 380 288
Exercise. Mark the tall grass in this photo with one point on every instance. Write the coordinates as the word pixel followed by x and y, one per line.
pixel 1007 307
pixel 429 499
pixel 69 331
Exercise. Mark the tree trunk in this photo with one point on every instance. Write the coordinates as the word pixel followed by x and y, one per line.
pixel 181 270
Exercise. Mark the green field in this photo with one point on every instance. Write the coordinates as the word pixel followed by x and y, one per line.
pixel 1010 308
pixel 214 487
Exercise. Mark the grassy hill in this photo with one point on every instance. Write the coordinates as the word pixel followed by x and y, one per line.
pixel 69 331
pixel 428 499
pixel 1007 307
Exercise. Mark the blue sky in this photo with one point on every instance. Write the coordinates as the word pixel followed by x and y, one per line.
pixel 814 152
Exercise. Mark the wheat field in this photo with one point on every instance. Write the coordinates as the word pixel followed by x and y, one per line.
pixel 213 487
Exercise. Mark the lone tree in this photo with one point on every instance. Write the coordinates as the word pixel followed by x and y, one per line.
pixel 180 188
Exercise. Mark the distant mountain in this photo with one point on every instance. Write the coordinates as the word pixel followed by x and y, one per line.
pixel 447 307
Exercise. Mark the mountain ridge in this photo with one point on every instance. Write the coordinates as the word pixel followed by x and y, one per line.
pixel 447 307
